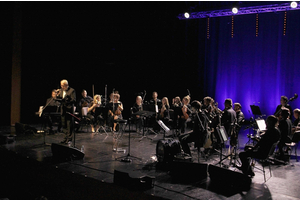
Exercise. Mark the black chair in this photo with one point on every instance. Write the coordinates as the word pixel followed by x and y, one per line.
pixel 265 161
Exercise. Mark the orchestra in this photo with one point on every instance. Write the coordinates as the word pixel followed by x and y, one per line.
pixel 206 119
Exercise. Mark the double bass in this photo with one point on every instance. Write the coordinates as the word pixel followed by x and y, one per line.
pixel 286 104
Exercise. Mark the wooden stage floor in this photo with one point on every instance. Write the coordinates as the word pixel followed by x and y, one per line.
pixel 29 170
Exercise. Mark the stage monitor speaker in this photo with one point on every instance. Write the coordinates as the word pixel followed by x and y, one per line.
pixel 133 180
pixel 188 172
pixel 63 153
pixel 228 179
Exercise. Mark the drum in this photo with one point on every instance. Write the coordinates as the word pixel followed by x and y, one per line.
pixel 166 149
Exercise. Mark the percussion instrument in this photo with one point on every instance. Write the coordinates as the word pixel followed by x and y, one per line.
pixel 166 149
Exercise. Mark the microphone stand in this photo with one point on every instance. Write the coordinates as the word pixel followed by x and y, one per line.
pixel 127 157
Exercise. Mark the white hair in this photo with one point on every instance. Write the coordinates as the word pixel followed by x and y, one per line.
pixel 64 82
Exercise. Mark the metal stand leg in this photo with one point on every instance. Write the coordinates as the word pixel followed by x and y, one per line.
pixel 127 158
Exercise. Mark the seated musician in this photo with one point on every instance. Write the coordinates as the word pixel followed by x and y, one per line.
pixel 181 114
pixel 115 108
pixel 49 119
pixel 262 147
pixel 138 106
pixel 94 113
pixel 86 100
pixel 164 113
pixel 155 100
pixel 199 132
pixel 283 104
pixel 285 127
pixel 176 102
pixel 296 126
pixel 154 106
pixel 208 109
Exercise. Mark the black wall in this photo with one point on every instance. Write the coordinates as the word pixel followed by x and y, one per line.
pixel 128 46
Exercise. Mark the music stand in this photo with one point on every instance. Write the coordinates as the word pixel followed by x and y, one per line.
pixel 222 137
pixel 255 110
pixel 98 113
pixel 127 157
pixel 144 114
pixel 44 112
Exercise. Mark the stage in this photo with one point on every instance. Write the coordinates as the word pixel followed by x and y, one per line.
pixel 29 170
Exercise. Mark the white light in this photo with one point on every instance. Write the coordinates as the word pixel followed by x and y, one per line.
pixel 294 4
pixel 186 15
pixel 234 10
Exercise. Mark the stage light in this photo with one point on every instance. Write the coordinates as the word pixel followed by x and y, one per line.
pixel 294 4
pixel 186 15
pixel 235 10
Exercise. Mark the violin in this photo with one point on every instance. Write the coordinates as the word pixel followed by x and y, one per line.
pixel 118 111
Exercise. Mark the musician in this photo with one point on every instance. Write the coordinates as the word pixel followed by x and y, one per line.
pixel 228 117
pixel 85 100
pixel 199 132
pixel 207 107
pixel 262 147
pixel 155 106
pixel 164 113
pixel 296 123
pixel 216 113
pixel 176 102
pixel 240 118
pixel 115 108
pixel 49 119
pixel 138 106
pixel 94 112
pixel 285 127
pixel 52 100
pixel 67 95
pixel 296 126
pixel 181 114
pixel 283 104
pixel 155 101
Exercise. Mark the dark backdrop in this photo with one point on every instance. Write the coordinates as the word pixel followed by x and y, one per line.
pixel 137 46
pixel 128 46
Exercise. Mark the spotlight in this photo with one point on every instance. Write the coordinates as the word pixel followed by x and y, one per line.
pixel 294 4
pixel 235 10
pixel 186 15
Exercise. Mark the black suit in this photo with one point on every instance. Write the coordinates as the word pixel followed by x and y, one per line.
pixel 152 107
pixel 278 109
pixel 228 119
pixel 67 105
pixel 285 127
pixel 197 135
pixel 261 149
